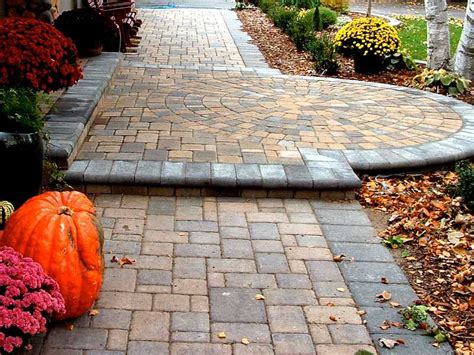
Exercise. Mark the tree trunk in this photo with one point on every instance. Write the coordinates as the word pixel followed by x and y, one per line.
pixel 438 33
pixel 369 9
pixel 464 60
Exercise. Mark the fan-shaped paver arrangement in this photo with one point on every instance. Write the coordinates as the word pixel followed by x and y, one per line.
pixel 197 106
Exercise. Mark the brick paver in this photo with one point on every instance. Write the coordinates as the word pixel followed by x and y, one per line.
pixel 189 283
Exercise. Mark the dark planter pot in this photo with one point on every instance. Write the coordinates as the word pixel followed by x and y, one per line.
pixel 86 52
pixel 21 157
pixel 368 64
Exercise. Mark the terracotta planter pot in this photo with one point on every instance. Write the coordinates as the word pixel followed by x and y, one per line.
pixel 22 166
pixel 86 52
pixel 368 64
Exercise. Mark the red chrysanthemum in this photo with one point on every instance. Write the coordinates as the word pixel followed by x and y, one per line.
pixel 34 54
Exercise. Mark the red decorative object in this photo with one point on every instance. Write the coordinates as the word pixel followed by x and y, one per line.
pixel 60 231
pixel 36 55
pixel 29 299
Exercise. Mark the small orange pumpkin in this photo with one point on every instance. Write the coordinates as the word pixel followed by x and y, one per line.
pixel 60 231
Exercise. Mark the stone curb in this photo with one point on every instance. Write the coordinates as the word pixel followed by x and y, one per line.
pixel 69 120
pixel 349 231
pixel 213 175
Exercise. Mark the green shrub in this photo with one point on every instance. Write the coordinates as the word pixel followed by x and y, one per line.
pixel 266 5
pixel 465 187
pixel 300 4
pixel 328 16
pixel 300 30
pixel 282 16
pixel 323 52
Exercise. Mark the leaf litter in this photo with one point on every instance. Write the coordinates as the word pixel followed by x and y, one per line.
pixel 438 233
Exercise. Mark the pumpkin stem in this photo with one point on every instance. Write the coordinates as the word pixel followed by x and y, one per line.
pixel 65 210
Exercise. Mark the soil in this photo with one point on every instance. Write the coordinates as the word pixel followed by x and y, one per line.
pixel 281 53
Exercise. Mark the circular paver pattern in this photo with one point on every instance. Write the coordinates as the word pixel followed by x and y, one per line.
pixel 324 114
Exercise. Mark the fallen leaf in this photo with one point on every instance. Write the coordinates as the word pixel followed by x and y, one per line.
pixel 383 297
pixel 93 312
pixel 182 234
pixel 384 280
pixel 361 312
pixel 70 327
pixel 245 341
pixel 395 304
pixel 388 343
pixel 122 261
pixel 330 304
pixel 333 318
pixel 339 258
pixel 385 325
pixel 341 289
pixel 259 297
pixel 221 335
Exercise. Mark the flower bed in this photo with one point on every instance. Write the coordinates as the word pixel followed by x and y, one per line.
pixel 281 53
pixel 29 299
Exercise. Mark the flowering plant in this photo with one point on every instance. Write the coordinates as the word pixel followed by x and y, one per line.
pixel 28 298
pixel 368 36
pixel 35 55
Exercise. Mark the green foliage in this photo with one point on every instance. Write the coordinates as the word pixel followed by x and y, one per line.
pixel 363 352
pixel 323 52
pixel 328 17
pixel 394 242
pixel 282 16
pixel 400 60
pixel 300 29
pixel 414 316
pixel 20 110
pixel 266 5
pixel 413 35
pixel 439 335
pixel 465 187
pixel 55 179
pixel 442 79
pixel 300 4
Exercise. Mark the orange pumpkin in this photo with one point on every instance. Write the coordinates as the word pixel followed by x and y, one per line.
pixel 60 231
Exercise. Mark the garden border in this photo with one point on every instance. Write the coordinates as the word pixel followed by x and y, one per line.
pixel 69 120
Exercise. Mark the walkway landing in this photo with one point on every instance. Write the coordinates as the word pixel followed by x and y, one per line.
pixel 198 96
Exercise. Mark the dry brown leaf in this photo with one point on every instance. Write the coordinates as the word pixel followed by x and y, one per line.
pixel 245 341
pixel 383 297
pixel 340 289
pixel 70 327
pixel 388 343
pixel 395 304
pixel 333 318
pixel 221 335
pixel 93 312
pixel 259 297
pixel 339 258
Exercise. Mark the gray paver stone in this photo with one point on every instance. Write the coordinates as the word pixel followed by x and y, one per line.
pixel 190 322
pixel 372 272
pixel 80 338
pixel 353 234
pixel 147 347
pixel 236 305
pixel 287 297
pixel 271 263
pixel 153 326
pixel 365 293
pixel 343 217
pixel 293 344
pixel 362 252
pixel 264 231
pixel 256 333
pixel 286 319
pixel 250 280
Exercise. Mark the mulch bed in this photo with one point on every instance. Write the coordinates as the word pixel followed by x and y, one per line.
pixel 281 53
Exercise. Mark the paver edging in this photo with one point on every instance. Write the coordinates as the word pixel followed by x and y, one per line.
pixel 364 281
pixel 71 117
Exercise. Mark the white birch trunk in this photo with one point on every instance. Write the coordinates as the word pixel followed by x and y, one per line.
pixel 464 60
pixel 438 33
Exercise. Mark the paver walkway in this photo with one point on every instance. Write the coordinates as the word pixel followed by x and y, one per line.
pixel 197 91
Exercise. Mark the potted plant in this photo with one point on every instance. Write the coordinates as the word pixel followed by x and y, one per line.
pixel 35 59
pixel 86 27
pixel 368 41
pixel 30 298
